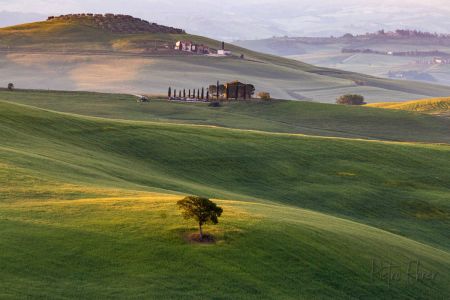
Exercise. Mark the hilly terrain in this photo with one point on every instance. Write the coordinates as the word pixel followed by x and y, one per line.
pixel 78 53
pixel 321 201
pixel 298 117
pixel 400 54
pixel 87 206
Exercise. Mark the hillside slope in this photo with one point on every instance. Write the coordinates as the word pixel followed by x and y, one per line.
pixel 133 247
pixel 403 65
pixel 389 185
pixel 87 210
pixel 72 55
pixel 274 116
pixel 436 106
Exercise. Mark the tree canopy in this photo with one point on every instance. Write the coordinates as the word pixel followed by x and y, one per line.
pixel 200 209
pixel 351 100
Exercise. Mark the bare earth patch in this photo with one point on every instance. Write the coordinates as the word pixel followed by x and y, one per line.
pixel 194 238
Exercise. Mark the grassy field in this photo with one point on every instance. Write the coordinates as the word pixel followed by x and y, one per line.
pixel 435 106
pixel 133 247
pixel 59 55
pixel 87 207
pixel 87 203
pixel 275 116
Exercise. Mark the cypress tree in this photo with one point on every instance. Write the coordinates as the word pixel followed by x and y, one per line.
pixel 193 93
pixel 189 93
pixel 217 90
pixel 203 93
pixel 184 93
pixel 174 93
pixel 170 92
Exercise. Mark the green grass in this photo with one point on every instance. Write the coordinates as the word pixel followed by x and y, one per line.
pixel 134 248
pixel 87 210
pixel 275 116
pixel 390 185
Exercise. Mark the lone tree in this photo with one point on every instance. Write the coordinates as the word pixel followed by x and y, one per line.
pixel 10 86
pixel 200 209
pixel 351 100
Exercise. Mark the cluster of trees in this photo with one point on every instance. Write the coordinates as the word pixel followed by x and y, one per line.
pixel 399 33
pixel 232 90
pixel 418 33
pixel 351 99
pixel 118 23
pixel 397 53
pixel 235 89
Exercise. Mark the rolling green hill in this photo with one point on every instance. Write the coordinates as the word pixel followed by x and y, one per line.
pixel 74 56
pixel 274 116
pixel 87 207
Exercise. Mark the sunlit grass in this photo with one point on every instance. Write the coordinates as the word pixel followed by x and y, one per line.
pixel 432 106
pixel 88 210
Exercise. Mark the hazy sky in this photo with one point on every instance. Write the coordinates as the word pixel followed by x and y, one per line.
pixel 254 18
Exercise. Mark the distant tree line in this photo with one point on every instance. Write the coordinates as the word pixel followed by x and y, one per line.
pixel 415 53
pixel 399 33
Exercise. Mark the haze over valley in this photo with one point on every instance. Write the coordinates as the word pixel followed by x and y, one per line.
pixel 155 150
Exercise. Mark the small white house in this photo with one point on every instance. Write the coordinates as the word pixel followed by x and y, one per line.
pixel 224 52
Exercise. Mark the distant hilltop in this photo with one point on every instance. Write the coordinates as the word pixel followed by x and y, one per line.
pixel 117 23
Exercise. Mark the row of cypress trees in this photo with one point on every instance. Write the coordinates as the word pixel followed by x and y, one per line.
pixel 190 94
pixel 200 94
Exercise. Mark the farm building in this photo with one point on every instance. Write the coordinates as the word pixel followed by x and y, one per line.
pixel 224 52
pixel 233 90
pixel 189 46
pixel 239 90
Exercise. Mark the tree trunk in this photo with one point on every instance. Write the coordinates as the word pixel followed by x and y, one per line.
pixel 201 231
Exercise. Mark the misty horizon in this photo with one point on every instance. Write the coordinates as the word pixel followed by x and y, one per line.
pixel 251 19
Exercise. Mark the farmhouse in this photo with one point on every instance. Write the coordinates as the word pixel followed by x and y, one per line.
pixel 239 90
pixel 233 90
pixel 189 46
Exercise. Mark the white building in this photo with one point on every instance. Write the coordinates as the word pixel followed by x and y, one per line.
pixel 224 52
